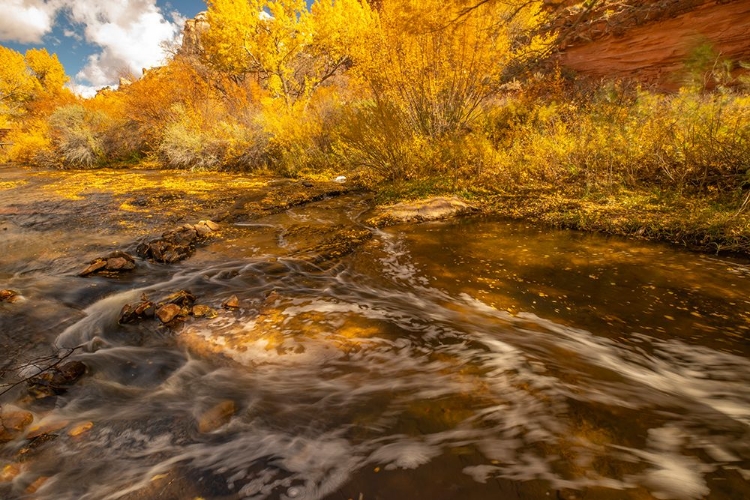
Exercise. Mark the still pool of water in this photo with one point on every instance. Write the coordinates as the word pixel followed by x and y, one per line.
pixel 469 359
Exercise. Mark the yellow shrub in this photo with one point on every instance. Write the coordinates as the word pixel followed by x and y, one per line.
pixel 33 145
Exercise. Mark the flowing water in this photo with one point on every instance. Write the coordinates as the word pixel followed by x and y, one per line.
pixel 466 359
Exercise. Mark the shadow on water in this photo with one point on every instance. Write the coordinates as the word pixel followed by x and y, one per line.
pixel 472 359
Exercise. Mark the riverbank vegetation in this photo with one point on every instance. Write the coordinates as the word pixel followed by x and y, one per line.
pixel 413 98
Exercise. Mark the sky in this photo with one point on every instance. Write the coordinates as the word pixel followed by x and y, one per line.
pixel 97 41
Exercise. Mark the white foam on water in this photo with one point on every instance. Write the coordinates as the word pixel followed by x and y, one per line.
pixel 672 475
pixel 404 454
pixel 397 264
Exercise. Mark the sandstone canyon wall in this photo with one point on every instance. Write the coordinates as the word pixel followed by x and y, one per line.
pixel 651 41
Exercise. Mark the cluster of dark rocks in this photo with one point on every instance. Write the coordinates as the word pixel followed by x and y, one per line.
pixel 173 308
pixel 110 265
pixel 172 246
pixel 177 244
pixel 56 380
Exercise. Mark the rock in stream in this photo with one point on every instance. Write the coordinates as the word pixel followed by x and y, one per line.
pixel 110 265
pixel 177 244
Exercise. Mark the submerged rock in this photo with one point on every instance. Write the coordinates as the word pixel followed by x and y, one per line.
pixel 56 380
pixel 10 296
pixel 178 244
pixel 10 472
pixel 231 303
pixel 80 429
pixel 216 416
pixel 421 211
pixel 201 311
pixel 13 423
pixel 110 265
pixel 342 243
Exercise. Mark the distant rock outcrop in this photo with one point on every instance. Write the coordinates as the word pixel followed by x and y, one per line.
pixel 191 35
pixel 651 41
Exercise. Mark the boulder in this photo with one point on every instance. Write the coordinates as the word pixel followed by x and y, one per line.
pixel 177 305
pixel 200 311
pixel 231 303
pixel 133 313
pixel 182 298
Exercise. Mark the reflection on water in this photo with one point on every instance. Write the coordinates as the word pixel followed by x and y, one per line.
pixel 466 360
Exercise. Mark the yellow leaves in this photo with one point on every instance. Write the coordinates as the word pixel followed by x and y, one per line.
pixel 436 63
pixel 31 144
pixel 47 69
pixel 16 84
pixel 230 23
pixel 287 49
pixel 340 26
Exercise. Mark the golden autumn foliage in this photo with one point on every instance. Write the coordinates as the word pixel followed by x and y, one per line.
pixel 25 78
pixel 31 89
pixel 411 91
pixel 287 49
pixel 17 86
pixel 435 62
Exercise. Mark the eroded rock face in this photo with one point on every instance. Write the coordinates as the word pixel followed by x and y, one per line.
pixel 191 35
pixel 421 211
pixel 651 41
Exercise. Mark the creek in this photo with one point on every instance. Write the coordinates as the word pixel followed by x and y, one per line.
pixel 472 358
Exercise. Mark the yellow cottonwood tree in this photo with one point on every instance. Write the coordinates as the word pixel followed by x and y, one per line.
pixel 47 70
pixel 17 85
pixel 288 49
pixel 30 84
pixel 436 61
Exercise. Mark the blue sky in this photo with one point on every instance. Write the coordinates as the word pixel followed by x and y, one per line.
pixel 96 40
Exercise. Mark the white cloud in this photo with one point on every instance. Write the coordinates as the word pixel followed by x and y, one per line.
pixel 84 90
pixel 72 34
pixel 26 21
pixel 129 34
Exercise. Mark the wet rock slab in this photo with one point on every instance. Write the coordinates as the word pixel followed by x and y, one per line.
pixel 421 211
pixel 280 196
pixel 270 334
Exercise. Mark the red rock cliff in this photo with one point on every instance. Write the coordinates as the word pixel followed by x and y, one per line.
pixel 651 41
